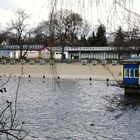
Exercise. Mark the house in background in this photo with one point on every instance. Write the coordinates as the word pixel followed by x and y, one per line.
pixel 33 51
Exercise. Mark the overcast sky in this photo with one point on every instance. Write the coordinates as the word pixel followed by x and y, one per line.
pixel 39 9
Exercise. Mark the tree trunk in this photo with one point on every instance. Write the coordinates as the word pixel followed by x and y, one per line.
pixel 62 56
pixel 63 47
pixel 21 49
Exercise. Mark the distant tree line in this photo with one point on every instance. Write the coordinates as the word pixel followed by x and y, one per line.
pixel 63 28
pixel 41 37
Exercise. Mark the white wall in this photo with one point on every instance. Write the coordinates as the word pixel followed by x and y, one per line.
pixel 34 54
pixel 58 54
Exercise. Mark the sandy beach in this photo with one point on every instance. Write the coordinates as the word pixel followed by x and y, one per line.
pixel 73 71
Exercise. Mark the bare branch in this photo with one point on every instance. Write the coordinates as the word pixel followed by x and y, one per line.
pixel 6 81
pixel 8 118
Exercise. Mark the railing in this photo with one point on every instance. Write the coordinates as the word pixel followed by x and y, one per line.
pixel 85 48
pixel 79 48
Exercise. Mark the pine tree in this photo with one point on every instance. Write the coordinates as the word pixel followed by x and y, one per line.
pixel 119 42
pixel 92 39
pixel 101 36
pixel 119 39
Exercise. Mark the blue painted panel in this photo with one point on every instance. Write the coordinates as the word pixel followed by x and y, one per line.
pixel 131 79
pixel 5 53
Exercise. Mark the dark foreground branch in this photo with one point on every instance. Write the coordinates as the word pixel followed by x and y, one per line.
pixel 9 127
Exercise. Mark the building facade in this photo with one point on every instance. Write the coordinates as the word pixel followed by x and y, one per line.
pixel 90 53
pixel 32 52
pixel 39 51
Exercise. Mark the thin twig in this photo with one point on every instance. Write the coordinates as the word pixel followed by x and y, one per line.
pixel 17 91
pixel 107 68
pixel 8 126
pixel 8 133
pixel 6 81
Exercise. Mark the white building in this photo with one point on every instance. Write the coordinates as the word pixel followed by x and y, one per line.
pixel 38 52
pixel 86 52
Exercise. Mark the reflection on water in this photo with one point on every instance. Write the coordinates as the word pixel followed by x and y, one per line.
pixel 75 111
pixel 121 104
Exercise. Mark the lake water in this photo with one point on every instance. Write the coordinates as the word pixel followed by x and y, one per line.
pixel 75 111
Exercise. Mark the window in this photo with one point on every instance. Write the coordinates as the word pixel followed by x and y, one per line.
pixel 126 73
pixel 136 73
pixel 131 73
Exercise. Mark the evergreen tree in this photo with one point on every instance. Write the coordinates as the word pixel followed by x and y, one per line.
pixel 92 39
pixel 119 42
pixel 101 36
pixel 119 39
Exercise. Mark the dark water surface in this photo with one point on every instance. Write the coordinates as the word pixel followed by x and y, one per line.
pixel 77 111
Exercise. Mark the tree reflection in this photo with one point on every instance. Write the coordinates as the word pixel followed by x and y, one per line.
pixel 121 104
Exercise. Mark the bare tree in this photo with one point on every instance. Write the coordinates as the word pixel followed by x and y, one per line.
pixel 21 30
pixel 64 27
pixel 43 32
pixel 85 29
pixel 70 26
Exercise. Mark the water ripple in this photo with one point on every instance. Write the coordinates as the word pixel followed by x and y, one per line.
pixel 72 111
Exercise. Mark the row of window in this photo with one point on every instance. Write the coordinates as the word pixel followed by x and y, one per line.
pixel 130 73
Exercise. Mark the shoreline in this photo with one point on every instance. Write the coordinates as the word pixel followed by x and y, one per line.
pixel 63 70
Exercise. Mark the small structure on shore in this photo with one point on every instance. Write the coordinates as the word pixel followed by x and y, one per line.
pixel 94 62
pixel 84 62
pixel 131 76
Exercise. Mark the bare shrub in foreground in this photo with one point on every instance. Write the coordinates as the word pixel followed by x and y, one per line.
pixel 10 127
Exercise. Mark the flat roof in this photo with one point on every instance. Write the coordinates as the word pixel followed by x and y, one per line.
pixel 131 60
pixel 17 47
